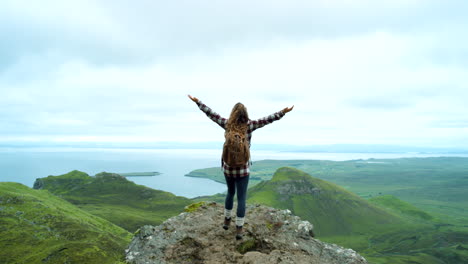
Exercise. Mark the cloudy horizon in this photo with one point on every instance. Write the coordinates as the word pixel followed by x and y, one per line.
pixel 358 72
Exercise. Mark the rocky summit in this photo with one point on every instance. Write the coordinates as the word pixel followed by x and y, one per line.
pixel 270 236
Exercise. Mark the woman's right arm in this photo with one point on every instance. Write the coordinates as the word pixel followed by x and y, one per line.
pixel 215 117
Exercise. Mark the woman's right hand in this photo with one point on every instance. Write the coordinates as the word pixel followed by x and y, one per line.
pixel 288 109
pixel 193 98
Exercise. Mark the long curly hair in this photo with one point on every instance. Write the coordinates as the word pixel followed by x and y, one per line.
pixel 239 117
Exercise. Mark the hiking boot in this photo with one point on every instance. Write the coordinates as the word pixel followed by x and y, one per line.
pixel 239 233
pixel 227 222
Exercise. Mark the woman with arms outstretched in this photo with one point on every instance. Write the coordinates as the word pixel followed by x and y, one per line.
pixel 236 156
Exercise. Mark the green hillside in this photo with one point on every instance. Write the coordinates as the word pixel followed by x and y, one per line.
pixel 384 229
pixel 332 209
pixel 115 198
pixel 38 227
pixel 392 203
pixel 437 185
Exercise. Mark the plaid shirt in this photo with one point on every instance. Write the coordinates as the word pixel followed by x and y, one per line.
pixel 252 126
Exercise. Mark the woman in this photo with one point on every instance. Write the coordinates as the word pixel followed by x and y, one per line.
pixel 237 178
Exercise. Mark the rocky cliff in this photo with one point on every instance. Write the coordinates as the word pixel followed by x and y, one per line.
pixel 270 236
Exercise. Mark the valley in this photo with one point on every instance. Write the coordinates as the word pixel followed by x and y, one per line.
pixel 409 210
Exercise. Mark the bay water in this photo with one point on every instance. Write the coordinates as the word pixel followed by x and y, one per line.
pixel 24 165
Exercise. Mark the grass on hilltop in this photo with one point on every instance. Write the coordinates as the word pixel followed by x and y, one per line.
pixel 38 227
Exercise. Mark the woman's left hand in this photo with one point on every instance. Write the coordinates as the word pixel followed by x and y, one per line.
pixel 193 98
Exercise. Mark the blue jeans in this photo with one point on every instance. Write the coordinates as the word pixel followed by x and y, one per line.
pixel 240 184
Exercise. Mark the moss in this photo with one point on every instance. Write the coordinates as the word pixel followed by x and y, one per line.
pixel 193 207
pixel 246 246
pixel 273 225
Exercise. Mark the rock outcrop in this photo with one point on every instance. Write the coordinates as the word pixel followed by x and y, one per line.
pixel 109 175
pixel 294 187
pixel 270 236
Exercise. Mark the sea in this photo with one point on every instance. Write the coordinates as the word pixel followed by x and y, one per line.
pixel 25 165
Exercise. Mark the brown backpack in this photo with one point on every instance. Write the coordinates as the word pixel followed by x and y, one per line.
pixel 236 149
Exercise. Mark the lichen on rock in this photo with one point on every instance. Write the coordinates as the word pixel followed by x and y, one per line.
pixel 270 236
pixel 193 207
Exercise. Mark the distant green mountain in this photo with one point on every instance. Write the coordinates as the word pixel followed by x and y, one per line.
pixel 115 198
pixel 38 227
pixel 437 184
pixel 332 209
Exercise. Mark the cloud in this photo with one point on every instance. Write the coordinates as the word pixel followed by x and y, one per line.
pixel 357 71
pixel 110 32
pixel 75 29
pixel 451 121
pixel 382 103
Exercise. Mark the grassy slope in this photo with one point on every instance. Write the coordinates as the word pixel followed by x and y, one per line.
pixel 334 210
pixel 114 198
pixel 392 203
pixel 38 227
pixel 437 242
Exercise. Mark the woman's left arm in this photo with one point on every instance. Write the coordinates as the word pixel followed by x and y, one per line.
pixel 255 124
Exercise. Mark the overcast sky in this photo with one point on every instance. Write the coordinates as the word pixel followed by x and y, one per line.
pixel 357 71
